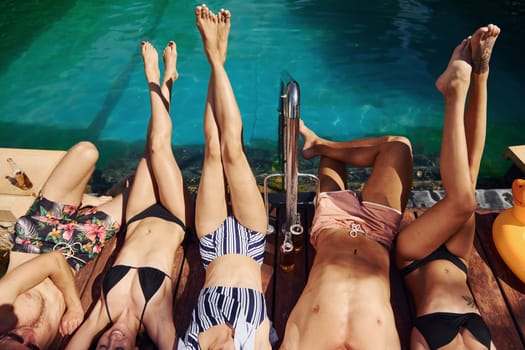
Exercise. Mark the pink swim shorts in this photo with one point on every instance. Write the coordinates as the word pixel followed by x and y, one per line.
pixel 344 209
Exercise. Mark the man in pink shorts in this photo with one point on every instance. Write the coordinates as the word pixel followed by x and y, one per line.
pixel 346 301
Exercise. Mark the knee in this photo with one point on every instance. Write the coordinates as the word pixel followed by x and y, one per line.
pixel 160 141
pixel 212 150
pixel 464 202
pixel 86 151
pixel 397 148
pixel 231 151
pixel 399 144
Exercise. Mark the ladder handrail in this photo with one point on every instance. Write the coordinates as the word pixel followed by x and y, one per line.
pixel 289 118
pixel 290 110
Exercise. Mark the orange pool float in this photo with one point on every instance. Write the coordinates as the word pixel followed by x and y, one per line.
pixel 508 232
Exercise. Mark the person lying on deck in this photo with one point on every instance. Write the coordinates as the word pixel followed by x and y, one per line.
pixel 231 309
pixel 346 301
pixel 433 258
pixel 38 297
pixel 137 291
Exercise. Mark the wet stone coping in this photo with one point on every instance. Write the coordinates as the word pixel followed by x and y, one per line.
pixel 427 188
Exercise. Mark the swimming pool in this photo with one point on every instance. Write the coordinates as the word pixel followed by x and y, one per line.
pixel 72 70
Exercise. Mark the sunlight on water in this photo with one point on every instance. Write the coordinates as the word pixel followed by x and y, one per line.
pixel 74 69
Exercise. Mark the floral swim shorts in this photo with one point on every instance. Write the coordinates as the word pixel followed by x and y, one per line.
pixel 80 233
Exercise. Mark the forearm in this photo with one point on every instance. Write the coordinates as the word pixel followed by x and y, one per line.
pixel 33 272
pixel 82 338
pixel 62 276
pixel 84 335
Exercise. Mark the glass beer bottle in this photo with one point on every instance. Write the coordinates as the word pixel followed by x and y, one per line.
pixel 286 253
pixel 18 176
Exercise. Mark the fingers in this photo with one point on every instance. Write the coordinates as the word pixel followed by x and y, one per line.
pixel 70 322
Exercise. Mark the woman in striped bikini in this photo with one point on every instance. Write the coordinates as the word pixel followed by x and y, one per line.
pixel 231 310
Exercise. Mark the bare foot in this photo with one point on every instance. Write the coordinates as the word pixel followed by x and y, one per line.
pixel 310 140
pixel 482 42
pixel 207 25
pixel 222 32
pixel 457 74
pixel 170 62
pixel 151 62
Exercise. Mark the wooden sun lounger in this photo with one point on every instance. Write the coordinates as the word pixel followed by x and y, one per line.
pixel 517 155
pixel 38 165
pixel 188 279
pixel 498 293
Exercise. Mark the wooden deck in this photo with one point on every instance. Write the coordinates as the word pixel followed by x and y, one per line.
pixel 498 293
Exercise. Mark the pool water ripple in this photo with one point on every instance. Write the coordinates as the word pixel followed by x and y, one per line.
pixel 73 70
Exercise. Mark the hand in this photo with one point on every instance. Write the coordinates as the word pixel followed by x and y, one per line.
pixel 70 321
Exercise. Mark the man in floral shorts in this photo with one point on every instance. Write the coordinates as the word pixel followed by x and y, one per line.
pixel 61 232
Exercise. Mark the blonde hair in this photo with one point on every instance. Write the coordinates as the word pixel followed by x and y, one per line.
pixel 6 240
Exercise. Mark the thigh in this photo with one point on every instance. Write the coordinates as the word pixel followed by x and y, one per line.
pixel 461 242
pixel 332 175
pixel 67 182
pixel 142 192
pixel 391 179
pixel 211 208
pixel 114 208
pixel 169 183
pixel 247 202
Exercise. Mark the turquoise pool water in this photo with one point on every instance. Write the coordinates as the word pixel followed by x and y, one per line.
pixel 71 70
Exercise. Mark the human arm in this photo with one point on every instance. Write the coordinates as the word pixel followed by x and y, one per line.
pixel 84 335
pixel 29 274
pixel 162 331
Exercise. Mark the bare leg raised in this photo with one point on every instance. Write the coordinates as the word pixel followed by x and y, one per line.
pixel 247 203
pixel 211 198
pixel 481 44
pixel 457 206
pixel 389 156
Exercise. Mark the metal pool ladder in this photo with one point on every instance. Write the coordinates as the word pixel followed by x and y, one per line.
pixel 289 117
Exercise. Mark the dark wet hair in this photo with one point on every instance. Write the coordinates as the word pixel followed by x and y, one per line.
pixel 18 339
